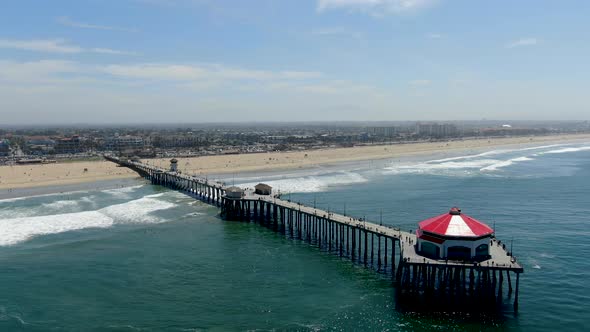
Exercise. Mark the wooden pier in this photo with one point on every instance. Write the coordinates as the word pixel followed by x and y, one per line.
pixel 388 250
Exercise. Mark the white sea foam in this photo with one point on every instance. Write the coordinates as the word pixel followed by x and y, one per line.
pixel 469 164
pixel 58 205
pixel 16 199
pixel 124 192
pixel 316 183
pixel 504 163
pixel 437 168
pixel 567 150
pixel 136 211
pixel 495 152
pixel 13 231
pixel 19 212
pixel 16 230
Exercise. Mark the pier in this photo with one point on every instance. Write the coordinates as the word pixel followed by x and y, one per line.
pixel 484 284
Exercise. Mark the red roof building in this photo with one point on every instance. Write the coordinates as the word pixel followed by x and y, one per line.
pixel 453 236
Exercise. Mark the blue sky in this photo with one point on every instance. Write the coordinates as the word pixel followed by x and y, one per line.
pixel 101 61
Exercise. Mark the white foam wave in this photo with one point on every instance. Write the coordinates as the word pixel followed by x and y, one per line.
pixel 504 163
pixel 465 164
pixel 309 184
pixel 16 230
pixel 16 199
pixel 136 211
pixel 13 231
pixel 19 212
pixel 472 156
pixel 155 195
pixel 123 192
pixel 57 205
pixel 429 167
pixel 567 150
pixel 495 152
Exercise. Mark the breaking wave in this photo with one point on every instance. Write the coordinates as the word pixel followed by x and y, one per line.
pixel 453 167
pixel 504 163
pixel 20 229
pixel 567 150
pixel 312 183
pixel 124 192
pixel 485 162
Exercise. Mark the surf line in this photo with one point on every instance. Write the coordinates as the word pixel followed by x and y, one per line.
pixel 462 284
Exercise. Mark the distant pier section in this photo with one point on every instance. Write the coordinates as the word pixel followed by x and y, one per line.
pixel 451 258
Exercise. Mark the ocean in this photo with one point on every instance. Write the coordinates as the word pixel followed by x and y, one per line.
pixel 145 258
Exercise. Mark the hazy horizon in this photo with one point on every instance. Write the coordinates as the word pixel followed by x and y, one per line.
pixel 203 61
pixel 353 123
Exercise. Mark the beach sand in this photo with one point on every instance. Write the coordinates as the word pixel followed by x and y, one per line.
pixel 27 176
pixel 59 174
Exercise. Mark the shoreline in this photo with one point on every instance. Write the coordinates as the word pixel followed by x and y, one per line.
pixel 284 161
pixel 20 177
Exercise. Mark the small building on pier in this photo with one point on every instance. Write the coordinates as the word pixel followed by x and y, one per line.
pixel 454 236
pixel 234 192
pixel 263 189
pixel 173 165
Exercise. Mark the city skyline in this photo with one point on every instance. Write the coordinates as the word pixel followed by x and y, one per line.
pixel 150 61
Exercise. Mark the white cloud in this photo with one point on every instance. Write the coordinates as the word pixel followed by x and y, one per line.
pixel 70 91
pixel 64 20
pixel 38 45
pixel 158 72
pixel 34 71
pixel 155 72
pixel 183 72
pixel 56 46
pixel 377 7
pixel 523 42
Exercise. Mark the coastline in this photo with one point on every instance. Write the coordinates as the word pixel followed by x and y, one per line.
pixel 20 177
pixel 283 161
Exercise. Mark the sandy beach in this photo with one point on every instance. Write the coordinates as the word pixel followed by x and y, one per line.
pixel 28 176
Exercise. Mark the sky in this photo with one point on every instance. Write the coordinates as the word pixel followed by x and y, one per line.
pixel 177 61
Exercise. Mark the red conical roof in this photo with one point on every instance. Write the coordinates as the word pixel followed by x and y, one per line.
pixel 454 223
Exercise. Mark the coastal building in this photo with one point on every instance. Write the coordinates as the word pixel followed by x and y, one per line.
pixel 234 192
pixel 4 147
pixel 384 131
pixel 68 145
pixel 124 143
pixel 176 141
pixel 39 145
pixel 173 165
pixel 263 189
pixel 436 129
pixel 453 236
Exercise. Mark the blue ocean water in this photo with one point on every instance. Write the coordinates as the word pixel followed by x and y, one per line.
pixel 144 258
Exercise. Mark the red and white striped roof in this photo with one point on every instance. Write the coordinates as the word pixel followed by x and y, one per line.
pixel 454 223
